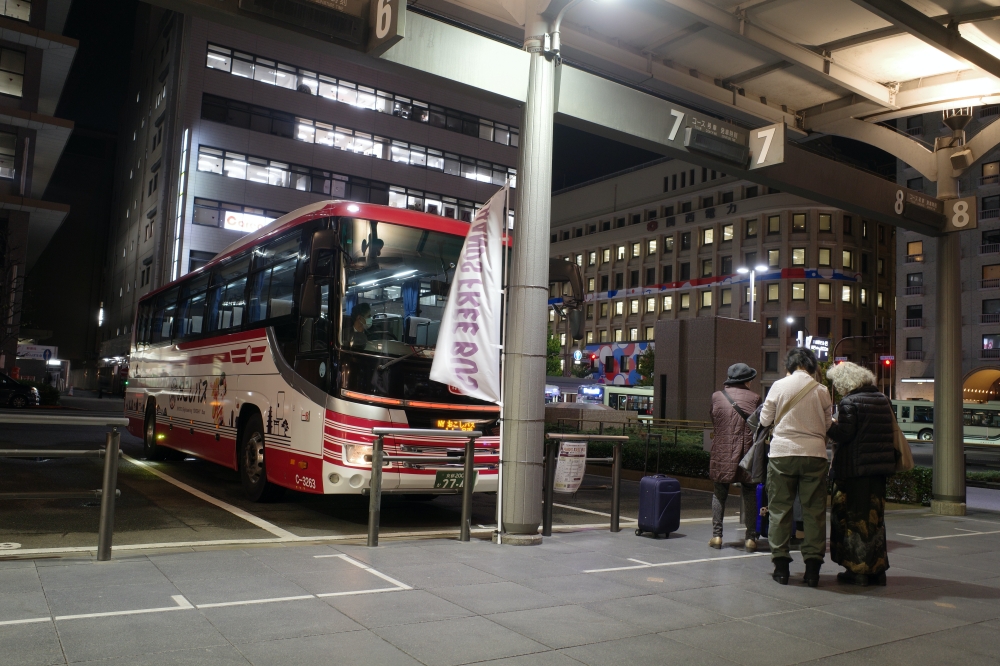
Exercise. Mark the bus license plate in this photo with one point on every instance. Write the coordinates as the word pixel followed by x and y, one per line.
pixel 451 480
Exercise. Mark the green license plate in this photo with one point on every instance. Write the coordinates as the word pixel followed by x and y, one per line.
pixel 451 480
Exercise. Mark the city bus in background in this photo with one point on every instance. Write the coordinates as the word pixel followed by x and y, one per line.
pixel 278 357
pixel 982 421
pixel 552 394
pixel 638 399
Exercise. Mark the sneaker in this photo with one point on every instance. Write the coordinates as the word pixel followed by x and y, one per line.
pixel 716 543
pixel 751 545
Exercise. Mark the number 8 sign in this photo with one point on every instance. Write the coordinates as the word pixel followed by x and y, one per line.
pixel 960 214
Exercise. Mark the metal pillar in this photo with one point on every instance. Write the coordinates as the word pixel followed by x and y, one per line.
pixel 524 370
pixel 949 466
pixel 106 527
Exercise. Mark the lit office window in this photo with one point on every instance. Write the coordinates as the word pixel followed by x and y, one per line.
pixel 798 291
pixel 706 268
pixel 591 258
pixel 636 249
pixel 619 307
pixel 774 224
pixel 685 301
pixel 620 253
pixel 706 299
pixel 651 304
pixel 825 292
pixel 590 284
pixel 579 260
pixel 633 306
pixel 650 333
pixel 848 259
pixel 773 290
pixel 287 76
pixel 606 256
pixel 8 144
pixel 847 293
pixel 726 297
pixel 773 258
pixel 727 232
pixel 751 228
pixel 604 335
pixel 618 335
pixel 799 222
pixel 881 300
pixel 825 222
pixel 11 72
pixel 590 337
pixel 707 236
pixel 16 9
pixel 633 334
pixel 668 303
pixel 798 256
pixel 651 248
pixel 864 297
pixel 825 256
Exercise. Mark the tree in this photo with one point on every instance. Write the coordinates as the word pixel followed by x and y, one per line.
pixel 583 369
pixel 552 351
pixel 645 365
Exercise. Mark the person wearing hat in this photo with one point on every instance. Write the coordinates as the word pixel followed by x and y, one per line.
pixel 732 438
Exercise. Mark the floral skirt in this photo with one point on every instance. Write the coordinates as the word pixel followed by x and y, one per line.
pixel 857 524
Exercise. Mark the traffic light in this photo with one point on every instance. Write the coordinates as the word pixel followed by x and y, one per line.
pixel 887 363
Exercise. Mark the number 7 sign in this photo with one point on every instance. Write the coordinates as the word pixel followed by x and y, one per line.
pixel 767 146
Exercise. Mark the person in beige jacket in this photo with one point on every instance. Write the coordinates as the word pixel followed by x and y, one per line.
pixel 801 411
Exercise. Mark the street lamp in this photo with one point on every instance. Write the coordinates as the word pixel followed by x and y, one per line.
pixel 743 270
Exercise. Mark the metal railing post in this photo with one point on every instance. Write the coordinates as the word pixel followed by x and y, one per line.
pixel 107 524
pixel 468 482
pixel 375 494
pixel 550 478
pixel 616 486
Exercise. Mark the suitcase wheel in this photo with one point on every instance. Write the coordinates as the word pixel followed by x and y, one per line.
pixel 638 532
pixel 667 535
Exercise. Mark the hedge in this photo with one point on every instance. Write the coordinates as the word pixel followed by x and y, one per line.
pixel 675 460
pixel 49 395
pixel 912 487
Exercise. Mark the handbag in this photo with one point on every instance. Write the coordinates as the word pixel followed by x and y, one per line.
pixel 755 461
pixel 904 456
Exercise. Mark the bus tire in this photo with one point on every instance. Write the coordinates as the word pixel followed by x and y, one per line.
pixel 150 449
pixel 253 472
pixel 925 435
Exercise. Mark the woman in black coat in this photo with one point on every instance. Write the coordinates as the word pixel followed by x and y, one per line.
pixel 863 456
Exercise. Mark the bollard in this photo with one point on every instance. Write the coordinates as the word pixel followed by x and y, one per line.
pixel 616 486
pixel 552 446
pixel 375 496
pixel 468 482
pixel 107 524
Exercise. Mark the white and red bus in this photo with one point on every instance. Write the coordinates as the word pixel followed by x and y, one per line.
pixel 278 357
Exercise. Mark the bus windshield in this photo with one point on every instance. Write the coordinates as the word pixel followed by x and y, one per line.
pixel 396 283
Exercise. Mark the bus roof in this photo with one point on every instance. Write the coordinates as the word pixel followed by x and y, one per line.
pixel 331 208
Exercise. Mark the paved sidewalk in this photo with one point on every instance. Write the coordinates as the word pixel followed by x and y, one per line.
pixel 589 597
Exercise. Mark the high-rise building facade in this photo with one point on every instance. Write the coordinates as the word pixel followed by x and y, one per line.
pixel 666 241
pixel 917 272
pixel 227 129
pixel 35 59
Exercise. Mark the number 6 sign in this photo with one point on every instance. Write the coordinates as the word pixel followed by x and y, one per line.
pixel 385 25
pixel 960 214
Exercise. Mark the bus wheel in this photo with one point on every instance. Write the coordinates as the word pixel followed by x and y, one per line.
pixel 925 435
pixel 150 449
pixel 253 474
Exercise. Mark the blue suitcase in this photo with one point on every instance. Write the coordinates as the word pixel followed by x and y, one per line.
pixel 659 505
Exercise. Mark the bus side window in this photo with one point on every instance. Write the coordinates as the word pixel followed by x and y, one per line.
pixel 906 411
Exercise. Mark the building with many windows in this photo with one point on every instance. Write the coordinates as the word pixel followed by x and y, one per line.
pixel 35 59
pixel 917 274
pixel 227 129
pixel 666 241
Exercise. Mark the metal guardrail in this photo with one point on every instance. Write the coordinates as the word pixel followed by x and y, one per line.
pixel 111 453
pixel 553 443
pixel 377 458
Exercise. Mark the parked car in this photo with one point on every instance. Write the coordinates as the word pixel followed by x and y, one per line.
pixel 15 394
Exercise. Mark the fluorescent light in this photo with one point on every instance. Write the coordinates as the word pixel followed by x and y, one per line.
pixel 742 270
pixel 761 269
pixel 918 380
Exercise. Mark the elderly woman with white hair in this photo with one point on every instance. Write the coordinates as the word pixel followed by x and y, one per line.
pixel 863 456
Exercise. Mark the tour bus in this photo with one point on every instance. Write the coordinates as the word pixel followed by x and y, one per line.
pixel 982 421
pixel 278 357
pixel 637 399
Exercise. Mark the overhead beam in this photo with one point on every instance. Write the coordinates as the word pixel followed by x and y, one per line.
pixel 755 73
pixel 898 145
pixel 929 31
pixel 631 116
pixel 674 37
pixel 745 30
pixel 893 31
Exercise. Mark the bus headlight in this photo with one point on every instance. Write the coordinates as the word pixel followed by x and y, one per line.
pixel 354 454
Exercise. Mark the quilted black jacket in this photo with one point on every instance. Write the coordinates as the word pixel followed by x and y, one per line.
pixel 862 435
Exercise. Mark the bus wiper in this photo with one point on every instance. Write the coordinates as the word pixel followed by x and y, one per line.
pixel 401 358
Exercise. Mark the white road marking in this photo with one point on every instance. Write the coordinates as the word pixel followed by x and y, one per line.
pixel 225 506
pixel 362 565
pixel 28 621
pixel 673 564
pixel 632 559
pixel 596 513
pixel 182 604
pixel 375 591
pixel 946 536
pixel 250 602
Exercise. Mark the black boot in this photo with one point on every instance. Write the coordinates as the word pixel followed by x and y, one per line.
pixel 780 574
pixel 811 578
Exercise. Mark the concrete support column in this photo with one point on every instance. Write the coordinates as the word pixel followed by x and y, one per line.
pixel 949 449
pixel 527 320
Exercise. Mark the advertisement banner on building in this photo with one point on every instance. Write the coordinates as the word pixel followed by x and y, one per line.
pixel 245 222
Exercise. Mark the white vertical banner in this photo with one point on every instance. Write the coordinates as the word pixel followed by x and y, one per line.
pixel 467 356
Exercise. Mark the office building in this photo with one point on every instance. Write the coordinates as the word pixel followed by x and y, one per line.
pixel 917 274
pixel 228 128
pixel 666 241
pixel 35 59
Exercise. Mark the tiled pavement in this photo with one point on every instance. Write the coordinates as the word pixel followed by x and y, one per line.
pixel 441 602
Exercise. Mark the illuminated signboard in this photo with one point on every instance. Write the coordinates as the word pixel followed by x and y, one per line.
pixel 245 222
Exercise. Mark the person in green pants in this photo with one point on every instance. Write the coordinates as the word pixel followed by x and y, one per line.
pixel 800 409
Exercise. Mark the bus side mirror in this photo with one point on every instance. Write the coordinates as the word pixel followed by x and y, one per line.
pixel 575 323
pixel 309 303
pixel 561 270
pixel 324 242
